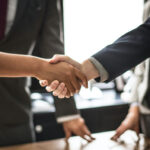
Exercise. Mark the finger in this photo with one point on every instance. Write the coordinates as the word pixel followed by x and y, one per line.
pixel 68 94
pixel 119 132
pixel 70 87
pixel 59 89
pixel 81 77
pixel 63 94
pixel 75 83
pixel 67 133
pixel 53 86
pixel 48 89
pixel 82 135
pixel 58 58
pixel 43 83
pixel 88 133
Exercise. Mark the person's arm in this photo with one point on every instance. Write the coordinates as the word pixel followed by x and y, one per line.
pixel 72 121
pixel 87 67
pixel 126 52
pixel 13 65
pixel 50 42
pixel 131 122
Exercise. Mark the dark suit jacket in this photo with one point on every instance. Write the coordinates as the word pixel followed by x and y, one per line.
pixel 126 52
pixel 36 21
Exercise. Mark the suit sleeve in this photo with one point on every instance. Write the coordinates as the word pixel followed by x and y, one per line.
pixel 50 42
pixel 126 52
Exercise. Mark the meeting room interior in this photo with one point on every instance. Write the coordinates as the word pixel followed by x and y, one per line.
pixel 74 75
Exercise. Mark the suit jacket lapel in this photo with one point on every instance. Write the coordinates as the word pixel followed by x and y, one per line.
pixel 21 5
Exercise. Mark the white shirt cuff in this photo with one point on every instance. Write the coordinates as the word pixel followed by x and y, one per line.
pixel 134 104
pixel 102 71
pixel 67 118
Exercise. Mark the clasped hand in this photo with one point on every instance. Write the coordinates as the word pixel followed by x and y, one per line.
pixel 63 76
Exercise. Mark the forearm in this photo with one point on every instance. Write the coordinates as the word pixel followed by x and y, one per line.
pixel 14 65
pixel 133 110
pixel 89 70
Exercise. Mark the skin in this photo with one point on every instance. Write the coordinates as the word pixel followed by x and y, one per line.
pixel 78 127
pixel 87 68
pixel 13 65
pixel 131 122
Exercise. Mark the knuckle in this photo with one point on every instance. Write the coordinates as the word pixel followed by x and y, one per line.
pixel 82 121
pixel 55 55
pixel 53 87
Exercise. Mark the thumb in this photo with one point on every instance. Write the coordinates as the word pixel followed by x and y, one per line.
pixel 43 83
pixel 57 58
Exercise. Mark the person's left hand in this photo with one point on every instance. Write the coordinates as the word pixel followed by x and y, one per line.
pixel 59 88
pixel 77 127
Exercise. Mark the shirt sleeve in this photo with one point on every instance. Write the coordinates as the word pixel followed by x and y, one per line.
pixel 67 118
pixel 102 71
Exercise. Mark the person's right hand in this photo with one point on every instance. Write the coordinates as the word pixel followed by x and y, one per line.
pixel 56 86
pixel 63 72
pixel 131 122
pixel 87 68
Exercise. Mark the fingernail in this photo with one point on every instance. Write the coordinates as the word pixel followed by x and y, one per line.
pixel 48 89
pixel 62 85
pixel 54 94
pixel 77 91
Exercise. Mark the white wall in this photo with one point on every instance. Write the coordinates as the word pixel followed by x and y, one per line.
pixel 92 24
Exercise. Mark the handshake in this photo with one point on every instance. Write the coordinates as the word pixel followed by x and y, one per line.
pixel 64 76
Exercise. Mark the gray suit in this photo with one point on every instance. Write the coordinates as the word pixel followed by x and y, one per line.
pixel 36 21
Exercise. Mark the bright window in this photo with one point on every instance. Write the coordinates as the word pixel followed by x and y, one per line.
pixel 90 25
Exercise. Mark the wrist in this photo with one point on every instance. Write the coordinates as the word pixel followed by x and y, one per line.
pixel 133 111
pixel 38 66
pixel 89 70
